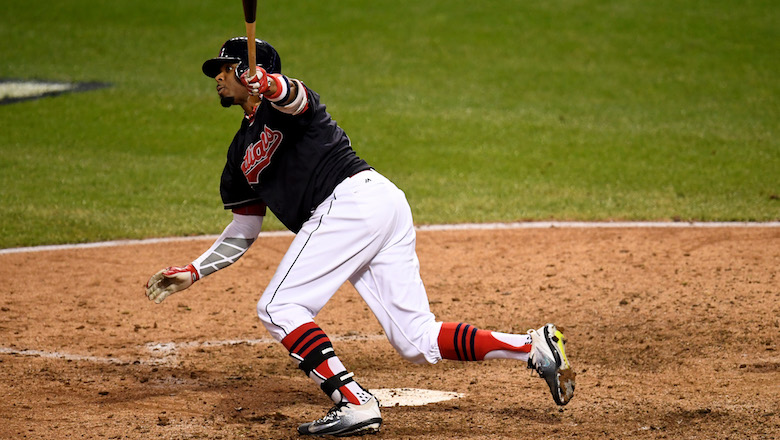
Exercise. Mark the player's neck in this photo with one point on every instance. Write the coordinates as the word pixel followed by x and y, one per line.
pixel 250 104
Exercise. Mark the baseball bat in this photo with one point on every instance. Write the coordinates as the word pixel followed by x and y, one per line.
pixel 250 13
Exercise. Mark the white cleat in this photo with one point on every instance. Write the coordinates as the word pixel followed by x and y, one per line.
pixel 346 419
pixel 548 358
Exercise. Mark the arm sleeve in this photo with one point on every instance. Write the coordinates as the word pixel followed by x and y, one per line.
pixel 235 240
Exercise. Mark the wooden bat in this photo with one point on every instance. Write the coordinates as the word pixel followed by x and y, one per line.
pixel 250 12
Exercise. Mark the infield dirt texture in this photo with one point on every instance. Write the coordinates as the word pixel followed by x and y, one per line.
pixel 673 334
pixel 488 111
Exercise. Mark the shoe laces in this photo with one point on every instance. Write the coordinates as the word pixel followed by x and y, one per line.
pixel 333 413
pixel 534 363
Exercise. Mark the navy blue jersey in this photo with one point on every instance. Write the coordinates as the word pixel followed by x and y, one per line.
pixel 288 163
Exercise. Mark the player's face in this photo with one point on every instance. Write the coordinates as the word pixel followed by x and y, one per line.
pixel 229 88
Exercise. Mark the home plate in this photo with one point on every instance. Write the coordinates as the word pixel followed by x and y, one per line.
pixel 411 396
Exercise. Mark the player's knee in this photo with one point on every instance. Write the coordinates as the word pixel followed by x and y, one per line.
pixel 419 347
pixel 411 353
pixel 263 314
pixel 281 318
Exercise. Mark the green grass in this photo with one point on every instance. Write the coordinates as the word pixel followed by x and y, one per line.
pixel 480 111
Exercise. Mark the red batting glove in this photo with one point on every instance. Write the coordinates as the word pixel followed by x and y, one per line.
pixel 257 84
pixel 170 280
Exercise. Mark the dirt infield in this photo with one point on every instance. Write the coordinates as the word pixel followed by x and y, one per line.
pixel 673 333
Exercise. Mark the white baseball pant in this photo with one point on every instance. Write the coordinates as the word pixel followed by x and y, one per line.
pixel 363 233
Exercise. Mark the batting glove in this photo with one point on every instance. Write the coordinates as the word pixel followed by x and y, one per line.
pixel 170 280
pixel 256 84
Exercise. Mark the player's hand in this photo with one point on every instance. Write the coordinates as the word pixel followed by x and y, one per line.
pixel 257 84
pixel 170 280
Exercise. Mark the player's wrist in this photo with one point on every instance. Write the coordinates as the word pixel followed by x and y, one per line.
pixel 194 273
pixel 278 88
pixel 298 101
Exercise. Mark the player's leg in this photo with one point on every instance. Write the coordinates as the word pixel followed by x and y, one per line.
pixel 390 282
pixel 356 411
pixel 332 245
pixel 320 259
pixel 392 287
pixel 413 332
pixel 543 349
pixel 463 342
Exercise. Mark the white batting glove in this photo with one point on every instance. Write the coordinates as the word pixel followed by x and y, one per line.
pixel 256 84
pixel 170 280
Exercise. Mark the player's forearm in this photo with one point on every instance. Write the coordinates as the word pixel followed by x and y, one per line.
pixel 234 241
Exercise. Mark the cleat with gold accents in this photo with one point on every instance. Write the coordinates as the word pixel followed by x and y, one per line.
pixel 548 358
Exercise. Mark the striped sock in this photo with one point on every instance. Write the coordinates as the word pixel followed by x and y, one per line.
pixel 312 350
pixel 463 342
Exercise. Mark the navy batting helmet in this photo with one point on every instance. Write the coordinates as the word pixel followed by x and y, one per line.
pixel 235 51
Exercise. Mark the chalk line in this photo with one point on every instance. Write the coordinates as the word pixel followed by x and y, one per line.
pixel 388 397
pixel 166 350
pixel 80 357
pixel 449 227
pixel 167 347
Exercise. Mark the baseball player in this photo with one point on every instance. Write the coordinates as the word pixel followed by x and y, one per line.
pixel 351 223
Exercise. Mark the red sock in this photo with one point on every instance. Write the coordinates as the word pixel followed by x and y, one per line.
pixel 313 351
pixel 463 342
